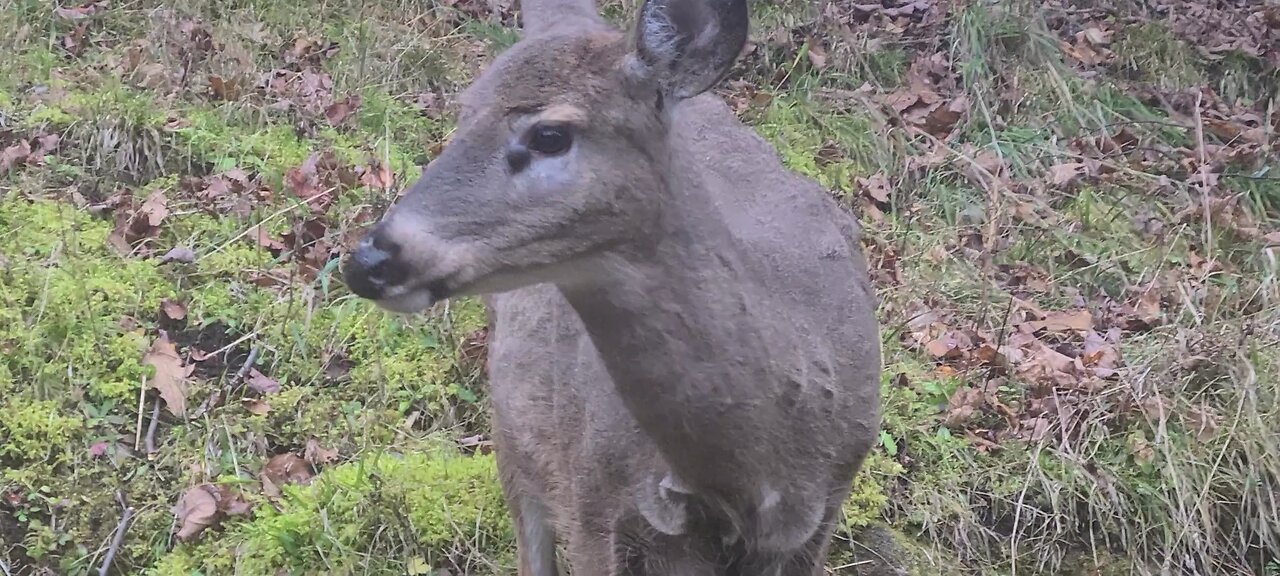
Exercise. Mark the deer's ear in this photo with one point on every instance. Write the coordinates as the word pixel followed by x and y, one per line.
pixel 687 46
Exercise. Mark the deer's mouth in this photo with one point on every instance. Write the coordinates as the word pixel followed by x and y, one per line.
pixel 408 299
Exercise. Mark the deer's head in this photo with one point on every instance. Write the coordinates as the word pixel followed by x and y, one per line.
pixel 558 155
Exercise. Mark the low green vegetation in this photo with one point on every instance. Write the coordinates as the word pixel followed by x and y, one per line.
pixel 1070 217
pixel 385 514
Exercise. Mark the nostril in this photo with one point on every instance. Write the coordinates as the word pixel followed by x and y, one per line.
pixel 389 247
pixel 372 267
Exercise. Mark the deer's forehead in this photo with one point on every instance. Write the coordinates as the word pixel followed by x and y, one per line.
pixel 559 70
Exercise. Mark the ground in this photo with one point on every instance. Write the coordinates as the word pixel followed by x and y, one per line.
pixel 1071 214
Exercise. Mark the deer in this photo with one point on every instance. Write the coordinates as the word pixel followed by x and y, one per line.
pixel 683 355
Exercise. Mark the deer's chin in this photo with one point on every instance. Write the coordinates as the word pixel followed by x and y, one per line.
pixel 407 301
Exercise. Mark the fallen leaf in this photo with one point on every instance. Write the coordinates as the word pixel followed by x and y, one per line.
pixel 1202 420
pixel 875 187
pixel 173 310
pixel 962 405
pixel 1097 36
pixel 260 383
pixel 14 154
pixel 79 12
pixel 263 239
pixel 145 222
pixel 1066 174
pixel 1141 449
pixel 1035 429
pixel 817 56
pixel 477 443
pixel 939 348
pixel 197 510
pixel 1079 320
pixel 255 406
pixel 224 89
pixel 171 375
pixel 317 455
pixel 284 469
pixel 377 175
pixel 341 110
pixel 231 503
pixel 1044 364
pixel 178 254
pixel 46 145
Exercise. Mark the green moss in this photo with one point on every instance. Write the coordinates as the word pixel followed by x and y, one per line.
pixel 64 302
pixel 867 499
pixel 35 431
pixel 379 515
pixel 834 149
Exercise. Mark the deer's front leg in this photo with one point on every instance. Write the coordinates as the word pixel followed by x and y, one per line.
pixel 535 539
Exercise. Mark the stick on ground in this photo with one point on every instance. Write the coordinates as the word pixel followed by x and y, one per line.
pixel 116 540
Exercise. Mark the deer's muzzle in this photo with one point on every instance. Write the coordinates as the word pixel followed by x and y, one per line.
pixel 373 268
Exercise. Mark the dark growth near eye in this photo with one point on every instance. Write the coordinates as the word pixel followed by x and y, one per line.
pixel 549 140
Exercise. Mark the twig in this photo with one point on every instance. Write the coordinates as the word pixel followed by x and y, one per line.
pixel 248 364
pixel 116 540
pixel 151 428
pixel 142 404
pixel 4 567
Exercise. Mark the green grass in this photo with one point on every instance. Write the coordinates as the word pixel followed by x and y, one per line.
pixel 1169 464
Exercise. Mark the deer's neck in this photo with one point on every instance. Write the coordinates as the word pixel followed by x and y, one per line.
pixel 693 351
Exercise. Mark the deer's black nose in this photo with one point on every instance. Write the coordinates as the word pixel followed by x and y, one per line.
pixel 372 267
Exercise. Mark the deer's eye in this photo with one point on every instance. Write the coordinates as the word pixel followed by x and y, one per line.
pixel 549 140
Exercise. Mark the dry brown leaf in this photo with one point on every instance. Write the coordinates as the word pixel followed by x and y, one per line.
pixel 962 405
pixel 264 239
pixel 1097 36
pixel 224 89
pixel 875 187
pixel 340 111
pixel 15 154
pixel 1044 364
pixel 196 510
pixel 171 375
pixel 817 56
pixel 45 145
pixel 1066 174
pixel 255 406
pixel 1035 429
pixel 1078 320
pixel 1141 449
pixel 231 503
pixel 154 209
pixel 284 469
pixel 260 383
pixel 317 455
pixel 178 254
pixel 173 310
pixel 944 348
pixel 377 175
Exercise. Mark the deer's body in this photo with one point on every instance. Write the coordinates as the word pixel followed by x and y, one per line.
pixel 684 361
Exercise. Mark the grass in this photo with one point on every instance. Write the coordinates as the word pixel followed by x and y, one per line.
pixel 1014 466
